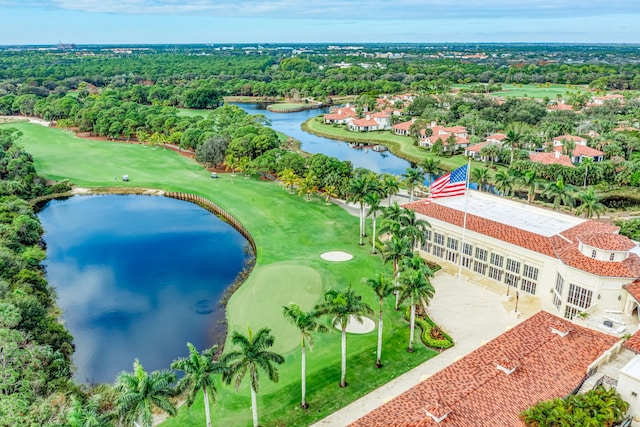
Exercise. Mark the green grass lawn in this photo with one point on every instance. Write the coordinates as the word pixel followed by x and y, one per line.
pixel 290 234
pixel 401 146
pixel 532 90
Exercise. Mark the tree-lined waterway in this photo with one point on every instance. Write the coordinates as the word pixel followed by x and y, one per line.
pixel 290 124
pixel 138 277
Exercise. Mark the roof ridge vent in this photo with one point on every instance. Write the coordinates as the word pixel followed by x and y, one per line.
pixel 437 412
pixel 562 330
pixel 507 366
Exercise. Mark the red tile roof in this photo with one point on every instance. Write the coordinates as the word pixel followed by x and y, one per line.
pixel 477 147
pixel 364 122
pixel 563 246
pixel 633 289
pixel 496 137
pixel 581 151
pixel 573 138
pixel 477 394
pixel 551 159
pixel 607 241
pixel 403 125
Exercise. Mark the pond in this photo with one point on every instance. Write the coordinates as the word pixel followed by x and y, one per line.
pixel 138 277
pixel 290 124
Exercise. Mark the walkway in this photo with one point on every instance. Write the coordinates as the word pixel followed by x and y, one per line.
pixel 471 314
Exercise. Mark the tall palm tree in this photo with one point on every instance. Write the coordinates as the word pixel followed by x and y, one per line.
pixel 413 227
pixel 306 323
pixel 391 219
pixel 413 177
pixel 415 286
pixel 431 167
pixel 481 176
pixel 382 285
pixel 512 140
pixel 307 185
pixel 560 193
pixel 341 305
pixel 329 192
pixel 590 204
pixel 390 185
pixel 253 354
pixel 288 178
pixel 358 189
pixel 373 200
pixel 586 163
pixel 140 392
pixel 530 181
pixel 395 249
pixel 199 369
pixel 504 182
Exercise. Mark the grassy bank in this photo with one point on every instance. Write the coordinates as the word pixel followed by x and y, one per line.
pixel 290 234
pixel 401 146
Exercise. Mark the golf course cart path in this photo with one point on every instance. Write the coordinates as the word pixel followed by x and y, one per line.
pixel 336 256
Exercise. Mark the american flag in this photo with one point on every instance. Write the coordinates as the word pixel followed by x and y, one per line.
pixel 451 184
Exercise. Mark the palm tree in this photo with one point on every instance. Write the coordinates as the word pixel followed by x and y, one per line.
pixel 358 189
pixel 504 182
pixel 390 185
pixel 431 167
pixel 373 200
pixel 590 204
pixel 586 163
pixel 512 140
pixel 199 369
pixel 231 161
pixel 383 286
pixel 560 193
pixel 481 176
pixel 394 250
pixel 413 177
pixel 329 192
pixel 307 185
pixel 416 286
pixel 88 414
pixel 342 305
pixel 288 178
pixel 391 219
pixel 413 227
pixel 531 182
pixel 253 354
pixel 140 392
pixel 306 324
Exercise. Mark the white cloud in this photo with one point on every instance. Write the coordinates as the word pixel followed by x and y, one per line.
pixel 346 9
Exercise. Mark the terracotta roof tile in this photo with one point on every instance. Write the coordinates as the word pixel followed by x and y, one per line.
pixel 551 159
pixel 634 289
pixel 403 125
pixel 607 241
pixel 581 151
pixel 478 394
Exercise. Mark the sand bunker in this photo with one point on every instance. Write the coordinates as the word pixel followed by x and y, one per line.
pixel 336 256
pixel 355 327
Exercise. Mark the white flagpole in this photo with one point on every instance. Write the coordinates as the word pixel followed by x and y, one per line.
pixel 464 222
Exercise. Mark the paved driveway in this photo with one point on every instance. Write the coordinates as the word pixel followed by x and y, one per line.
pixel 470 313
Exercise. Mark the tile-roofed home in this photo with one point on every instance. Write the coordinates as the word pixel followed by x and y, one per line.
pixel 570 264
pixel 578 140
pixel 341 115
pixel 555 158
pixel 403 128
pixel 546 357
pixel 579 152
pixel 496 138
pixel 363 125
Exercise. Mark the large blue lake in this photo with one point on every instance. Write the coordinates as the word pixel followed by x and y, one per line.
pixel 138 277
pixel 289 124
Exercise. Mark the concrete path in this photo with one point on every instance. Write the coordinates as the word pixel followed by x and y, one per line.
pixel 471 314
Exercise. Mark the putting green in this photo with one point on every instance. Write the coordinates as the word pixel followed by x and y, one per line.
pixel 268 289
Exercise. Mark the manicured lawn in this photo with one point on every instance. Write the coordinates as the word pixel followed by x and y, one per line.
pixel 399 145
pixel 533 90
pixel 284 106
pixel 290 234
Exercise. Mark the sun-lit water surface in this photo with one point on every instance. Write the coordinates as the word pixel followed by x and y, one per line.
pixel 138 277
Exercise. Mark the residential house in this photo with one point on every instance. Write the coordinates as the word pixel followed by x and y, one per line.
pixel 341 115
pixel 403 128
pixel 542 358
pixel 444 134
pixel 555 158
pixel 581 149
pixel 374 121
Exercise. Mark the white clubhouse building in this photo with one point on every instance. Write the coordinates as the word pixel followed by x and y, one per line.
pixel 572 265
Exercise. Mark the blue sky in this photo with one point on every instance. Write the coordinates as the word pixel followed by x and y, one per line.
pixel 332 21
